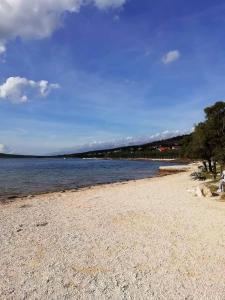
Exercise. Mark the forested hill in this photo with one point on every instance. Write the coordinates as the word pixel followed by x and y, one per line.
pixel 3 155
pixel 169 148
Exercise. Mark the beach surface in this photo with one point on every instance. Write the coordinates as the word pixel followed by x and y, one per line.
pixel 145 239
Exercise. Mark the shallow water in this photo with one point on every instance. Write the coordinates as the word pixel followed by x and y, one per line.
pixel 33 176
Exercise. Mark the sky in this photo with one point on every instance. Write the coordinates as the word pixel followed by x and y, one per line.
pixel 86 74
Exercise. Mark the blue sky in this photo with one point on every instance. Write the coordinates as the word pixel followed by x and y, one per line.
pixel 115 71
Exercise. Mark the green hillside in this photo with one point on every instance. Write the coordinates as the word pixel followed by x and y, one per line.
pixel 149 150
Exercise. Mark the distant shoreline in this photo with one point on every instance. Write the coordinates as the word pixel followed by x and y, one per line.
pixel 98 158
pixel 176 160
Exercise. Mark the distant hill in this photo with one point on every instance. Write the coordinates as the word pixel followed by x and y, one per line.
pixel 3 155
pixel 168 148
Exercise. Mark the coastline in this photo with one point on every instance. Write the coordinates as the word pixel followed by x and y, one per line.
pixel 144 239
pixel 162 171
pixel 177 160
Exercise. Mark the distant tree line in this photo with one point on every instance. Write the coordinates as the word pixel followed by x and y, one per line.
pixel 207 142
pixel 148 150
pixel 144 153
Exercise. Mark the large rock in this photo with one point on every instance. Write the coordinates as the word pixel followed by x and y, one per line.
pixel 203 191
pixel 198 192
pixel 206 191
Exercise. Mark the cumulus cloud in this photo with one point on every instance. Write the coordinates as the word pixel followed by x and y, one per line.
pixel 18 89
pixel 36 19
pixel 171 56
pixel 2 48
pixel 3 148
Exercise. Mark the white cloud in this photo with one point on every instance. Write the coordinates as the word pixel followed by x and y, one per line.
pixel 2 48
pixel 18 89
pixel 104 4
pixel 171 56
pixel 36 19
pixel 3 148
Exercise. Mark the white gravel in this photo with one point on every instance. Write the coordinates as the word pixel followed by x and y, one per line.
pixel 149 239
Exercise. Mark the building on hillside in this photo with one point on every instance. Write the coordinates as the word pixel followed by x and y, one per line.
pixel 164 149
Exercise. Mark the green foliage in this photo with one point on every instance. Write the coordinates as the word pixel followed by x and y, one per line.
pixel 186 147
pixel 208 139
pixel 215 118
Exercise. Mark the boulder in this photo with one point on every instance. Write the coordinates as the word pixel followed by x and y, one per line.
pixel 206 191
pixel 198 192
pixel 203 191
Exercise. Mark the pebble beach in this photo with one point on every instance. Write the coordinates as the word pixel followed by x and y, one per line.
pixel 144 239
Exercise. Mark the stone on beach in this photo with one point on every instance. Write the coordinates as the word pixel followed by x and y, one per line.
pixel 203 191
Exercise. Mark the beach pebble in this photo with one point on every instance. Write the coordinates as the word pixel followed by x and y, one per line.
pixel 149 239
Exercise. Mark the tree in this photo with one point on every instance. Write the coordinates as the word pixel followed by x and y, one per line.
pixel 215 120
pixel 208 139
pixel 201 144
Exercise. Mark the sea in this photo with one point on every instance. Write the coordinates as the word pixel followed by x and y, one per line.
pixel 23 177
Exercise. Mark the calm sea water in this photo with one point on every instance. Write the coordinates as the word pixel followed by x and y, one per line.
pixel 33 176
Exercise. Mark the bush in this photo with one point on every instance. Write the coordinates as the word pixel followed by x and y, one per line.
pixel 198 176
